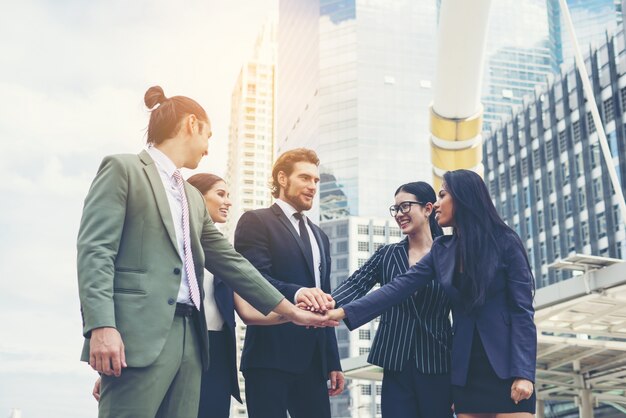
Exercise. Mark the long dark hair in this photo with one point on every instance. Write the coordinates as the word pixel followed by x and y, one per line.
pixel 204 181
pixel 477 226
pixel 424 193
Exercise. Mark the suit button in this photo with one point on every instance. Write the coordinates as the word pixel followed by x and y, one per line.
pixel 176 271
pixel 171 301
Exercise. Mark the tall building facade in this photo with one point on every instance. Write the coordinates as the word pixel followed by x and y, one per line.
pixel 354 83
pixel 251 133
pixel 523 48
pixel 251 148
pixel 545 171
pixel 593 20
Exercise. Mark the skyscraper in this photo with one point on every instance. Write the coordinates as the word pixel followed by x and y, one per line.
pixel 523 48
pixel 363 104
pixel 545 171
pixel 251 133
pixel 251 146
pixel 354 83
pixel 593 20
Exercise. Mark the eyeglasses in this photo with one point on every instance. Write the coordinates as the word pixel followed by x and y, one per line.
pixel 403 207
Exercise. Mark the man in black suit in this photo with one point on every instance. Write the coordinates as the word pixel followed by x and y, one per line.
pixel 287 367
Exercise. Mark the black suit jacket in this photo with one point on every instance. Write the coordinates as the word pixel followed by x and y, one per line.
pixel 270 242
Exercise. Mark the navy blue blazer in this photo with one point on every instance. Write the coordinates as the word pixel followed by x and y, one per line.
pixel 419 325
pixel 225 302
pixel 270 242
pixel 505 321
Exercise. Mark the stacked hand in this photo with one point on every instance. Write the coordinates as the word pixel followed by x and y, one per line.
pixel 314 299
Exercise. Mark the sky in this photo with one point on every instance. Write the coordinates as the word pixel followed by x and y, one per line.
pixel 72 78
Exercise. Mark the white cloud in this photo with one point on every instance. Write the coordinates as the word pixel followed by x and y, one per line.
pixel 72 77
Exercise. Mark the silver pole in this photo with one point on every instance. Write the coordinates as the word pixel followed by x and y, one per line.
pixel 606 152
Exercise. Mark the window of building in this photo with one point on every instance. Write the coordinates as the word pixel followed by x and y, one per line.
pixel 513 175
pixel 342 230
pixel 597 189
pixel 595 154
pixel 556 250
pixel 378 230
pixel 549 151
pixel 536 160
pixel 342 263
pixel 579 164
pixel 540 220
pixel 553 213
pixel 601 224
pixel 576 131
pixel 361 262
pixel 581 197
pixel 364 334
pixel 524 167
pixel 617 218
pixel 538 191
pixel 551 181
pixel 363 246
pixel 366 389
pixel 567 203
pixel 363 229
pixel 394 232
pixel 584 232
pixel 342 246
pixel 363 350
pixel 571 243
pixel 379 389
pixel 623 94
pixel 590 123
pixel 565 172
pixel 377 245
pixel 562 141
pixel 609 114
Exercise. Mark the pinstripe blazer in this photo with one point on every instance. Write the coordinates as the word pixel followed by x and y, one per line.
pixel 419 325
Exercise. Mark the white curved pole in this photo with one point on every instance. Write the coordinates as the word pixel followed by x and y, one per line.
pixel 456 112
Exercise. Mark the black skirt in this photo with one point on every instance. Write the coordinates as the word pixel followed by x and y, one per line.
pixel 484 392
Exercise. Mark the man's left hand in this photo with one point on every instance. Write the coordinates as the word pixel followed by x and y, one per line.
pixel 336 383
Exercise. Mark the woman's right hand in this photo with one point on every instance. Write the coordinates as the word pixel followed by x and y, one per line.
pixel 96 389
pixel 336 314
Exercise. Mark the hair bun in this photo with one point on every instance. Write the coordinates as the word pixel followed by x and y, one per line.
pixel 154 96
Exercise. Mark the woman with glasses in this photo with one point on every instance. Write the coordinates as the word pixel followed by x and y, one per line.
pixel 413 340
pixel 485 271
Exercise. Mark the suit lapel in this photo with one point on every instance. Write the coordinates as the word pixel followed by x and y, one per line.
pixel 446 262
pixel 159 195
pixel 287 224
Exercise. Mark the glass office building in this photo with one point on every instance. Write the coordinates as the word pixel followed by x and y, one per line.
pixel 364 104
pixel 545 171
pixel 523 47
pixel 593 20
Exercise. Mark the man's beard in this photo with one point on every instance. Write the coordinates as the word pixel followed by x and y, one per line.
pixel 294 200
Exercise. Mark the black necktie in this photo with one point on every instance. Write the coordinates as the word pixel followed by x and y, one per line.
pixel 304 236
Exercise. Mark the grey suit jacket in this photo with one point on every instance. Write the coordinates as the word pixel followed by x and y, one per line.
pixel 129 268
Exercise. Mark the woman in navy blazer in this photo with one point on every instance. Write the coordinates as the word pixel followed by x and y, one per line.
pixel 414 338
pixel 484 269
pixel 220 381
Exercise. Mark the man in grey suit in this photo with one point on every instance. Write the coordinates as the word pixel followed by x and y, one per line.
pixel 145 238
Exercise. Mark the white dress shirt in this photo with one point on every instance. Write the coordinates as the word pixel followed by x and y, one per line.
pixel 166 168
pixel 289 211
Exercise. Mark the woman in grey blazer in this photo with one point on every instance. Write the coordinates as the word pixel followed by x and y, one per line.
pixel 413 341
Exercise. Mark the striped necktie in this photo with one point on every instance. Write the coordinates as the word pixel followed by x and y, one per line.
pixel 189 267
